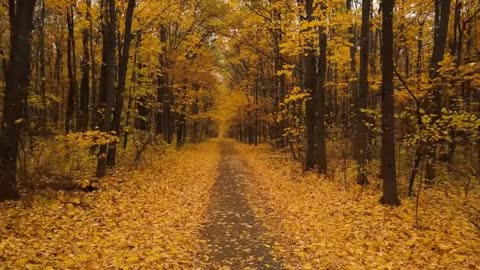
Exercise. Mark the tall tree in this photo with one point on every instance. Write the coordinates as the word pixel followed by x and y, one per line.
pixel 43 87
pixel 319 97
pixel 92 64
pixel 390 196
pixel 353 70
pixel 107 79
pixel 122 78
pixel 309 82
pixel 84 102
pixel 18 80
pixel 440 30
pixel 361 138
pixel 163 94
pixel 72 72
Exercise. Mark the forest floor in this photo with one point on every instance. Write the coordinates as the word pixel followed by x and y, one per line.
pixel 225 205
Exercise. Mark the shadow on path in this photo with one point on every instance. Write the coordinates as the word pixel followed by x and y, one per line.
pixel 234 236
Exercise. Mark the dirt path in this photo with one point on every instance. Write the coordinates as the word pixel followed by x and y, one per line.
pixel 235 238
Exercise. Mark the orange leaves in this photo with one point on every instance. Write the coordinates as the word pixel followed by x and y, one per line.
pixel 88 138
pixel 320 225
pixel 147 218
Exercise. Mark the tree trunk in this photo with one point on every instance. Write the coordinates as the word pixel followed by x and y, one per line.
pixel 105 103
pixel 43 88
pixel 361 137
pixel 163 92
pixel 279 81
pixel 390 196
pixel 18 80
pixel 320 134
pixel 353 83
pixel 72 78
pixel 309 86
pixel 442 13
pixel 93 67
pixel 122 78
pixel 130 95
pixel 83 107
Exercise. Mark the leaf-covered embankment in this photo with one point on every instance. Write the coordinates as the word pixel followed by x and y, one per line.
pixel 321 225
pixel 145 218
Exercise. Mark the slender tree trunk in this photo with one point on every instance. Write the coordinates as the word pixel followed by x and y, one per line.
pixel 93 67
pixel 43 88
pixel 72 78
pixel 83 107
pixel 361 136
pixel 130 96
pixel 390 196
pixel 279 83
pixel 107 79
pixel 255 129
pixel 181 122
pixel 310 86
pixel 18 80
pixel 321 150
pixel 122 78
pixel 141 122
pixel 57 116
pixel 163 91
pixel 353 83
pixel 442 13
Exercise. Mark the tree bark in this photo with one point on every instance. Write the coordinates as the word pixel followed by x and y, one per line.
pixel 93 67
pixel 18 80
pixel 390 196
pixel 353 83
pixel 105 103
pixel 83 107
pixel 442 13
pixel 320 134
pixel 43 88
pixel 122 78
pixel 361 137
pixel 72 78
pixel 163 91
pixel 309 86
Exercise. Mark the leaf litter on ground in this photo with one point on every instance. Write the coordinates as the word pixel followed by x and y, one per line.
pixel 319 224
pixel 148 218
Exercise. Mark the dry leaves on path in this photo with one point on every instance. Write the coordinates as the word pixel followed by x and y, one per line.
pixel 320 225
pixel 148 218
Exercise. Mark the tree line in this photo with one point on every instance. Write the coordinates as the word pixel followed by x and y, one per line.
pixel 104 72
pixel 390 84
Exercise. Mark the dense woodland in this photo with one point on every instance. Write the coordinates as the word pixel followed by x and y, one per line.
pixel 381 93
pixel 394 85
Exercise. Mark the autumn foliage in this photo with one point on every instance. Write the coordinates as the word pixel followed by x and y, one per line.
pixel 365 115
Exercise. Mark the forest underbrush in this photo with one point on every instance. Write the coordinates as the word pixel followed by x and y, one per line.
pixel 330 222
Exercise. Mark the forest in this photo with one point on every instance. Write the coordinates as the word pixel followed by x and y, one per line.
pixel 239 134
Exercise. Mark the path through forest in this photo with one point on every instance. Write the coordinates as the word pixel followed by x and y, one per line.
pixel 224 205
pixel 235 237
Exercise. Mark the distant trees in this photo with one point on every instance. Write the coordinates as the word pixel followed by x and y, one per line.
pixel 83 74
pixel 409 117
